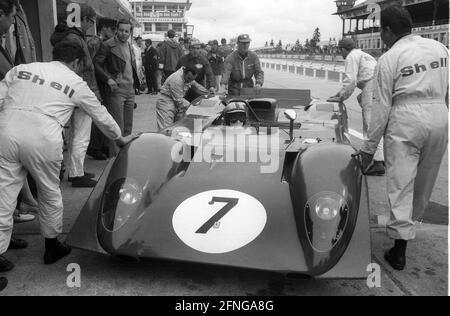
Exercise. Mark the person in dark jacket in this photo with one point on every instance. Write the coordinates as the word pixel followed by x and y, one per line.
pixel 116 70
pixel 195 60
pixel 99 145
pixel 240 68
pixel 81 123
pixel 171 52
pixel 151 59
pixel 217 64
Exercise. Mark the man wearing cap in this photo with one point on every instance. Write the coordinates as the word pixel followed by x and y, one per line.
pixel 195 60
pixel 240 67
pixel 359 72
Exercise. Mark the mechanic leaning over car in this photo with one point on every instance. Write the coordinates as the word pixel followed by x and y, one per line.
pixel 240 67
pixel 410 109
pixel 172 105
pixel 359 72
pixel 43 97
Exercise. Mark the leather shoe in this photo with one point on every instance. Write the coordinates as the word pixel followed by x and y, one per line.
pixel 83 182
pixel 17 244
pixel 23 218
pixel 5 264
pixel 55 250
pixel 86 175
pixel 3 283
pixel 397 262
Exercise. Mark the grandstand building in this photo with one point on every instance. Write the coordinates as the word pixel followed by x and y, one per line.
pixel 158 16
pixel 430 20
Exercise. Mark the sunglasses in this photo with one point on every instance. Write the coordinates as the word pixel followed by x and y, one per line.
pixel 234 121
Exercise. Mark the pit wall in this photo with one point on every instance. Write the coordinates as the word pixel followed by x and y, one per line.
pixel 326 71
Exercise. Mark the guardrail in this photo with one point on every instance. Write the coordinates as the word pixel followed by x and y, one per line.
pixel 303 57
pixel 321 71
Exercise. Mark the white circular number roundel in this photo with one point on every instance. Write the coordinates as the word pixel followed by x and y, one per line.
pixel 219 221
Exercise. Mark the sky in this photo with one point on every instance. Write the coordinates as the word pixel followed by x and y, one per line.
pixel 263 20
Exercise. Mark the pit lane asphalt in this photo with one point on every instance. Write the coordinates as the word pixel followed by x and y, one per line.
pixel 426 273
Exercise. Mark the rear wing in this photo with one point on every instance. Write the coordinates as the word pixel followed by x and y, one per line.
pixel 287 98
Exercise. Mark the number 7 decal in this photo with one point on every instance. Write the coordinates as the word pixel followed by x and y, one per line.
pixel 230 204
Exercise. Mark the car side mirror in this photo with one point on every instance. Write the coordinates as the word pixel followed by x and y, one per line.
pixel 290 115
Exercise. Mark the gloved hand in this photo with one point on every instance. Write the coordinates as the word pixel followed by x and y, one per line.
pixel 258 88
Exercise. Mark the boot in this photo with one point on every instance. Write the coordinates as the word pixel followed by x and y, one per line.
pixel 5 264
pixel 17 244
pixel 83 182
pixel 397 255
pixel 3 283
pixel 55 250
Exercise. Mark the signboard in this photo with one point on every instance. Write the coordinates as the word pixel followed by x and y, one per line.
pixel 162 20
pixel 157 15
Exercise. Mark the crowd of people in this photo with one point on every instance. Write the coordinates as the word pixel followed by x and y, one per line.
pixel 84 100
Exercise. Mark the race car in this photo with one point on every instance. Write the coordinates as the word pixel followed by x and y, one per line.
pixel 285 193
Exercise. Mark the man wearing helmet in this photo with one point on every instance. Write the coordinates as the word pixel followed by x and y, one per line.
pixel 235 114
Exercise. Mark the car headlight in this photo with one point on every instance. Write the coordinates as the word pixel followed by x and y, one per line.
pixel 327 208
pixel 120 202
pixel 130 193
pixel 326 218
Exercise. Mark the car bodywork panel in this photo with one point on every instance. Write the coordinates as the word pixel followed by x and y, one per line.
pixel 315 165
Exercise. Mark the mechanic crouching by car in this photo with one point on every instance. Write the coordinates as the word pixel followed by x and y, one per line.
pixel 359 72
pixel 172 105
pixel 410 109
pixel 240 68
pixel 37 101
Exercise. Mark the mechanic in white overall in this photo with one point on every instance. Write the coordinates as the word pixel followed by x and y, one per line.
pixel 172 105
pixel 36 102
pixel 359 72
pixel 410 111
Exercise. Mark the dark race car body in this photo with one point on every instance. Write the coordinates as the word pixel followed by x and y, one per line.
pixel 299 207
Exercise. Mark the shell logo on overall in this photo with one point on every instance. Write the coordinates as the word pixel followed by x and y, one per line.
pixel 219 221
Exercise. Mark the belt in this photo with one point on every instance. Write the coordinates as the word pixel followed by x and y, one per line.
pixel 417 100
pixel 34 109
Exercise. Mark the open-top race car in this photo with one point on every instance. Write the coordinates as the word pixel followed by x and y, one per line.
pixel 284 193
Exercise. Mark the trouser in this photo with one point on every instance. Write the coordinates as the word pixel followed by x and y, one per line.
pixel 36 149
pixel 81 125
pixel 234 87
pixel 365 102
pixel 166 112
pixel 218 80
pixel 152 80
pixel 99 142
pixel 415 143
pixel 159 76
